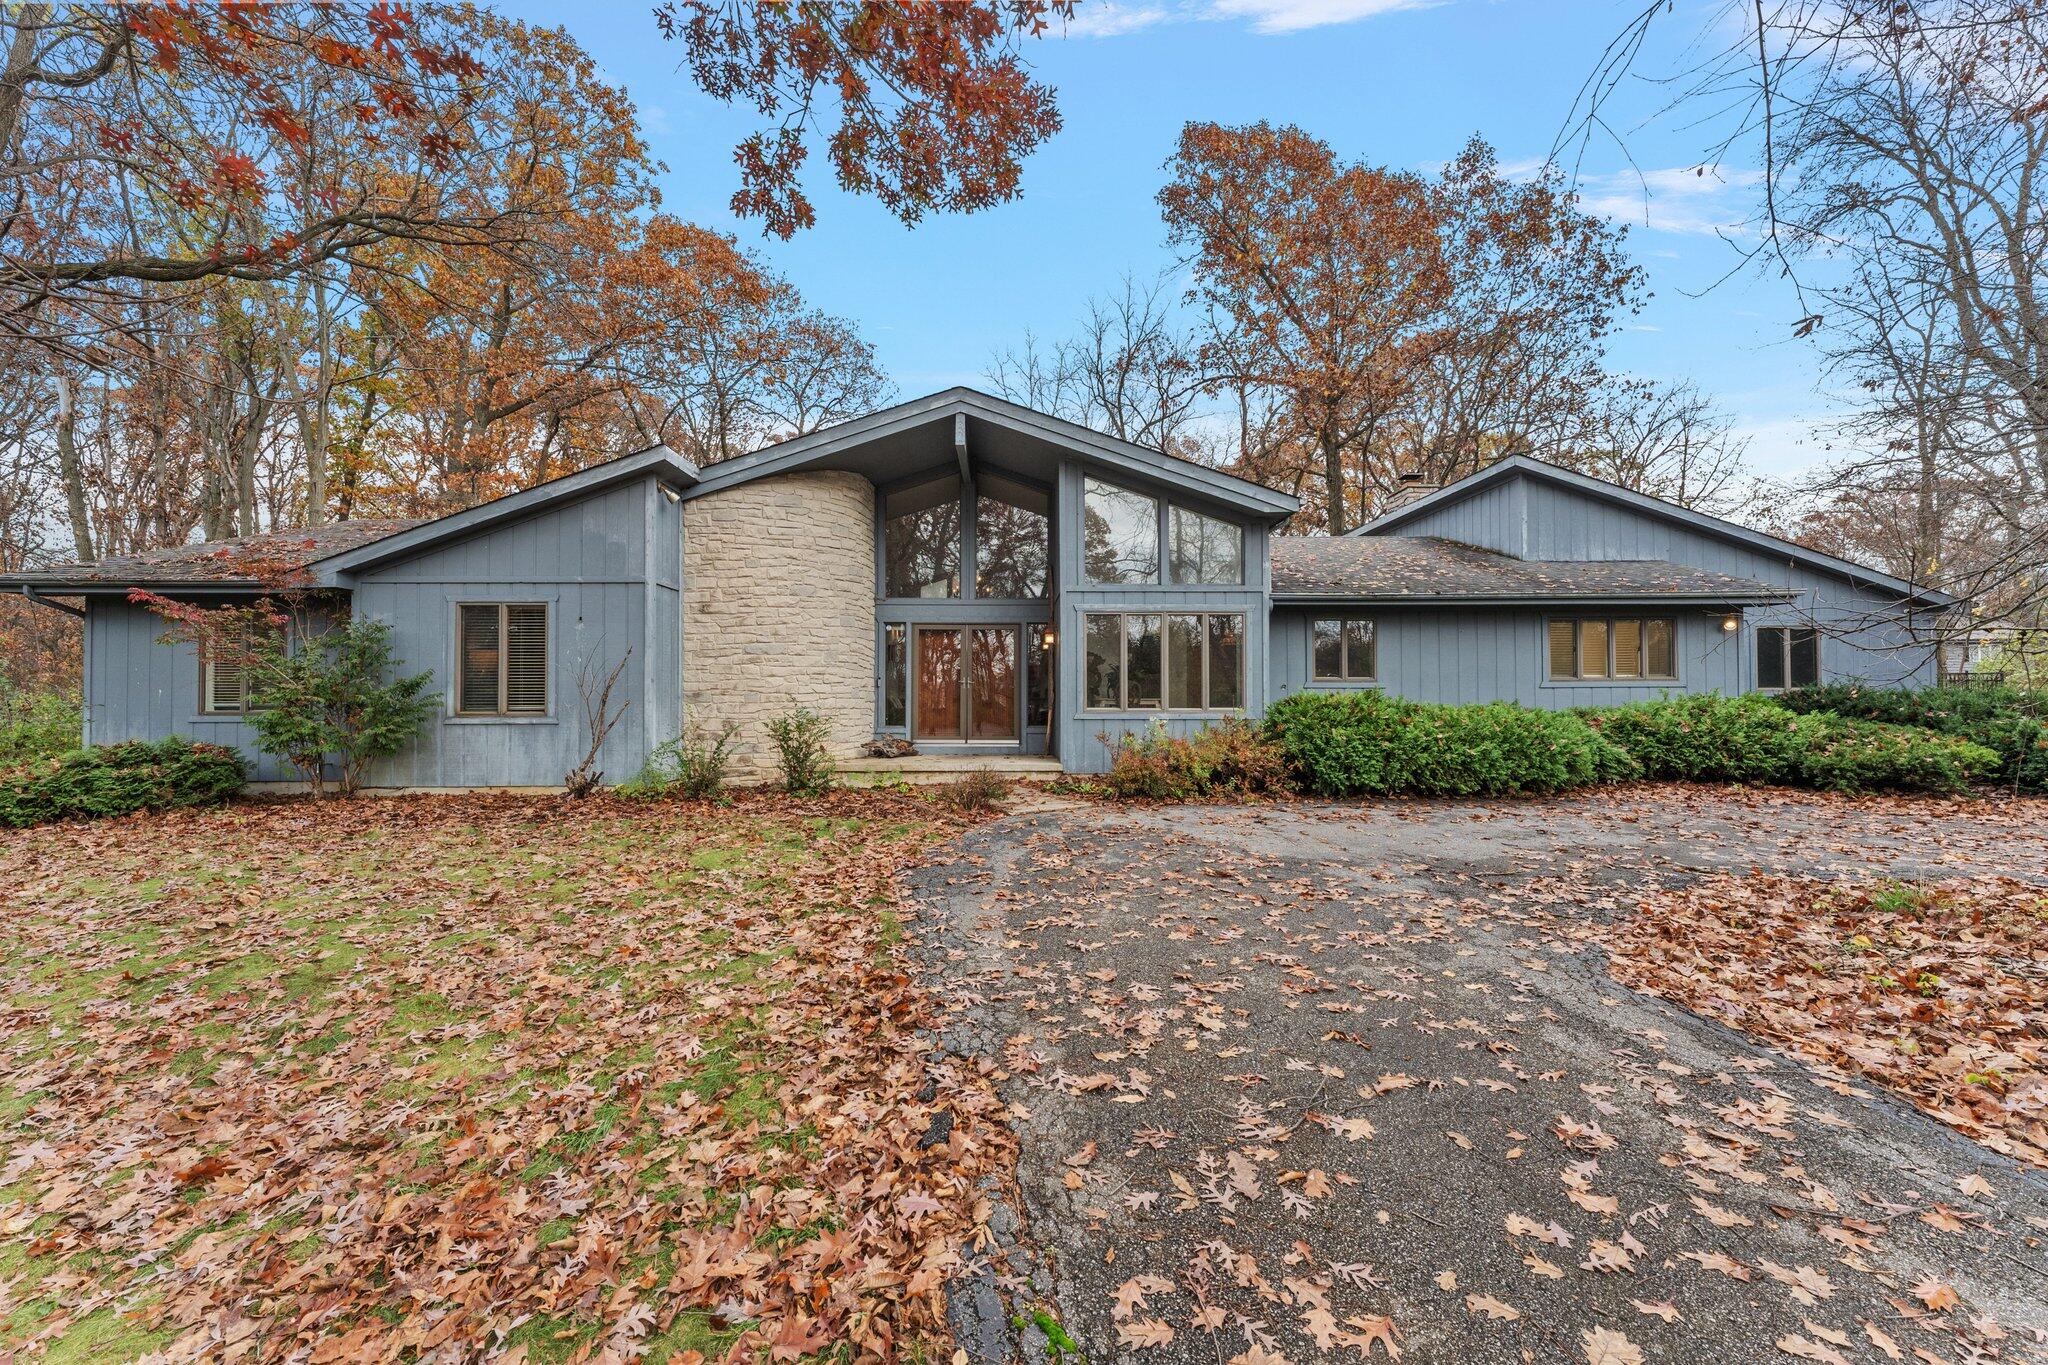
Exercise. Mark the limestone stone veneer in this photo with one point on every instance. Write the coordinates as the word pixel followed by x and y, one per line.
pixel 779 609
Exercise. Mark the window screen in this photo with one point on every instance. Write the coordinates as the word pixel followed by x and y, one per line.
pixel 1770 658
pixel 1803 664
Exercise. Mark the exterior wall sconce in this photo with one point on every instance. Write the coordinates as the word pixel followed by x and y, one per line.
pixel 671 494
pixel 1050 637
pixel 1731 623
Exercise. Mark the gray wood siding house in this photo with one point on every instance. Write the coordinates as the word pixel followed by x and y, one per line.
pixel 981 579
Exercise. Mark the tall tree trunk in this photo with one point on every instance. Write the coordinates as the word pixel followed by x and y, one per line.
pixel 71 472
pixel 1333 480
pixel 313 415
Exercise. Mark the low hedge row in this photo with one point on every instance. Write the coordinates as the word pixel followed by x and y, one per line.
pixel 1755 739
pixel 1370 744
pixel 115 779
pixel 2006 720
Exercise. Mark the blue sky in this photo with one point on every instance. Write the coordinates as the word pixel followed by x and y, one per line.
pixel 1385 82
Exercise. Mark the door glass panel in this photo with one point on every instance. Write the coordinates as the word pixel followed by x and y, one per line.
pixel 938 685
pixel 1184 663
pixel 1141 643
pixel 1226 663
pixel 1105 663
pixel 993 708
pixel 895 673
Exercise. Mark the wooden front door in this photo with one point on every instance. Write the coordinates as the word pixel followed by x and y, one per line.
pixel 966 684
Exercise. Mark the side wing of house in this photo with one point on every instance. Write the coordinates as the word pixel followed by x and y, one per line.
pixel 138 684
pixel 520 620
pixel 1865 630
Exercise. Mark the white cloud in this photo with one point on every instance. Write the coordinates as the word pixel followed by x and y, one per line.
pixel 1681 199
pixel 1109 19
pixel 1292 16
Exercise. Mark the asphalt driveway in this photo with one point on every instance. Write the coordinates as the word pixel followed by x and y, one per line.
pixel 1334 1082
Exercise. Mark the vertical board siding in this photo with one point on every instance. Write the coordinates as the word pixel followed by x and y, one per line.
pixel 140 686
pixel 602 565
pixel 1868 635
pixel 1483 654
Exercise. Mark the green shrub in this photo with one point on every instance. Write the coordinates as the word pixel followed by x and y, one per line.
pixel 116 779
pixel 37 725
pixel 1352 743
pixel 1757 739
pixel 1839 754
pixel 2007 720
pixel 799 739
pixel 1228 758
pixel 328 701
pixel 693 764
pixel 1705 738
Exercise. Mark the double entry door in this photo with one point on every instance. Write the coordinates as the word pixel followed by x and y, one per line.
pixel 966 684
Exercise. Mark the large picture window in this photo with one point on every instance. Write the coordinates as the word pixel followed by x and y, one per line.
pixel 1205 550
pixel 503 667
pixel 1614 649
pixel 1011 542
pixel 1787 656
pixel 1346 649
pixel 1120 541
pixel 921 541
pixel 1172 661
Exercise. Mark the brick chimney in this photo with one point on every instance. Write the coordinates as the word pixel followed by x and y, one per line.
pixel 1413 484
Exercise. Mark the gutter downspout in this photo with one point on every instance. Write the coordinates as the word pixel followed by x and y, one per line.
pixel 32 595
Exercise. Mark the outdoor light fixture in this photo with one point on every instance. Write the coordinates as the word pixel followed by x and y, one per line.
pixel 1049 637
pixel 671 494
pixel 1731 623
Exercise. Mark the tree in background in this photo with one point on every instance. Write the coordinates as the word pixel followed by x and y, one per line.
pixel 935 109
pixel 1334 278
pixel 1903 158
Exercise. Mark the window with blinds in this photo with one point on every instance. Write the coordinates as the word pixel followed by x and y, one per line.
pixel 1623 649
pixel 224 675
pixel 224 684
pixel 503 664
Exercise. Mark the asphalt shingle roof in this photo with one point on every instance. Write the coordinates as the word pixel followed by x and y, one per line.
pixel 222 561
pixel 1427 568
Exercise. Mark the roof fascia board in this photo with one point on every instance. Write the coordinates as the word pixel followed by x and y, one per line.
pixel 1531 599
pixel 1656 507
pixel 657 460
pixel 1225 488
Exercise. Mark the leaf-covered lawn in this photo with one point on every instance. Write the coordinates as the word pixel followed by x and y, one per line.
pixel 442 1077
pixel 1937 991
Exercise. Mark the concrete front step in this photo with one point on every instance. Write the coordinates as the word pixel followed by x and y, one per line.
pixel 929 769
